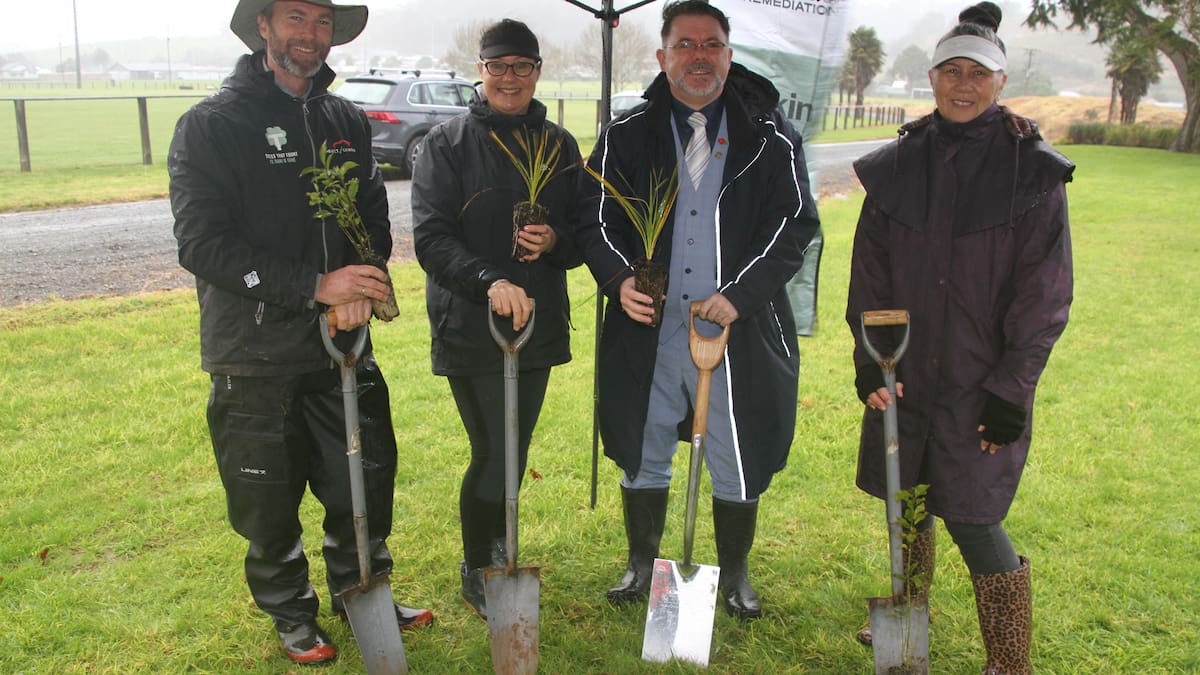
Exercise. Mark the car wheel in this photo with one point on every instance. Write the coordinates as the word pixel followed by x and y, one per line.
pixel 414 151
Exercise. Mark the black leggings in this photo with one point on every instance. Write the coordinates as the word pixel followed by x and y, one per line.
pixel 986 549
pixel 481 405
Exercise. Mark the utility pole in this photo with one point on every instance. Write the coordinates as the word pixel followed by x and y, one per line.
pixel 170 77
pixel 78 64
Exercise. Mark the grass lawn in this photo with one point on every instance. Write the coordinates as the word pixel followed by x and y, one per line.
pixel 117 557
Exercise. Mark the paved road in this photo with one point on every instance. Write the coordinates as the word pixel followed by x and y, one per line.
pixel 120 249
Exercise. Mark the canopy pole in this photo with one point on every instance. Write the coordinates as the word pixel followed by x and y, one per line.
pixel 610 18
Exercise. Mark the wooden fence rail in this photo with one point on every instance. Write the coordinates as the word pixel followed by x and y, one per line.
pixel 854 116
pixel 834 117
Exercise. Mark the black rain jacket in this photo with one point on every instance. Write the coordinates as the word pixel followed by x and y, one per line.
pixel 463 191
pixel 765 218
pixel 244 224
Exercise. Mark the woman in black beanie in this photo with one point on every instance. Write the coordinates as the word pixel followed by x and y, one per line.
pixel 464 188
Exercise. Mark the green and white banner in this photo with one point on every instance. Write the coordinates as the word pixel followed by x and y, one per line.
pixel 799 45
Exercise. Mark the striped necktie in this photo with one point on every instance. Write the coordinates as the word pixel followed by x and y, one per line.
pixel 697 154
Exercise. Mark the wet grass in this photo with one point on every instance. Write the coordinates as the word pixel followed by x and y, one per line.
pixel 116 555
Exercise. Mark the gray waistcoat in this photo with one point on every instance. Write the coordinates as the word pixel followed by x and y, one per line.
pixel 693 271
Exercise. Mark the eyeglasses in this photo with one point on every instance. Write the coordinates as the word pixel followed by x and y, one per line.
pixel 519 68
pixel 706 46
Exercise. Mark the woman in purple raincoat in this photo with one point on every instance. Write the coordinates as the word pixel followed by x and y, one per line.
pixel 965 226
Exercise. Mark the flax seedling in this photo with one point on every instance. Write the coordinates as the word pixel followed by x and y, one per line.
pixel 540 160
pixel 537 166
pixel 649 218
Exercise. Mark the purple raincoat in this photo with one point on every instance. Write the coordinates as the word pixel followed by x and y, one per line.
pixel 965 226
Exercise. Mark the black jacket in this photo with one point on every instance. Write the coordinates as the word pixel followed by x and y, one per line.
pixel 766 216
pixel 244 224
pixel 463 191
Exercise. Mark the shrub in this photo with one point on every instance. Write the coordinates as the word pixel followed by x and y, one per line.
pixel 1140 136
pixel 1086 134
pixel 1129 135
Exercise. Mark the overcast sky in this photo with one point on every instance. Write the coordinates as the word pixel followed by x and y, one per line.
pixel 48 23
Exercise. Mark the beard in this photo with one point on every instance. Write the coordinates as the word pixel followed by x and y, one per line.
pixel 281 55
pixel 712 88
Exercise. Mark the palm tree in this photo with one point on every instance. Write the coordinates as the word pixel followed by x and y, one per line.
pixel 1133 66
pixel 864 59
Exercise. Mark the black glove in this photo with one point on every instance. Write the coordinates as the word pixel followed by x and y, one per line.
pixel 1002 421
pixel 868 378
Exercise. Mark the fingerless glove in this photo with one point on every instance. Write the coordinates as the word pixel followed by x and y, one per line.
pixel 1002 421
pixel 867 378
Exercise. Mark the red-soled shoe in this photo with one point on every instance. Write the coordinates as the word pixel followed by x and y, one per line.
pixel 306 643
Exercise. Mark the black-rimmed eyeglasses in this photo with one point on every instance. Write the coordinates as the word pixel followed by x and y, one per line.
pixel 519 68
pixel 706 46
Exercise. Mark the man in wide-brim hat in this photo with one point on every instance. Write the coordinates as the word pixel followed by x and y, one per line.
pixel 296 57
pixel 266 268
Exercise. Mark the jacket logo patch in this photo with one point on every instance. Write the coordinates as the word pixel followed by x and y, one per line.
pixel 276 137
pixel 341 146
pixel 251 279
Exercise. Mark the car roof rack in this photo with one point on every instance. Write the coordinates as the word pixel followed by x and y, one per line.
pixel 415 72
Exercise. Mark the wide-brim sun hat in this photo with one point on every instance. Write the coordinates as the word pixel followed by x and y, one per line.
pixel 348 21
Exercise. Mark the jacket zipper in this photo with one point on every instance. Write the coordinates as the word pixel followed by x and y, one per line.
pixel 312 147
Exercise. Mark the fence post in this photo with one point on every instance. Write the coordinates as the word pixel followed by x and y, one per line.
pixel 22 135
pixel 144 122
pixel 561 109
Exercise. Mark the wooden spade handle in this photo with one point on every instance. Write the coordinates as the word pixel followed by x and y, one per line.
pixel 885 317
pixel 706 352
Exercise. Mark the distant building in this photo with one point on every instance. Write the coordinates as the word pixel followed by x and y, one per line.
pixel 21 71
pixel 897 89
pixel 162 71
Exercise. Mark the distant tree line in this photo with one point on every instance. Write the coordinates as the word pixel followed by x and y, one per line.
pixel 1135 34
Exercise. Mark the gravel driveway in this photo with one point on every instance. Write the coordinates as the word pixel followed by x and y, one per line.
pixel 116 249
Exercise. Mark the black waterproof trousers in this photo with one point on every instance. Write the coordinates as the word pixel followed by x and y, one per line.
pixel 276 436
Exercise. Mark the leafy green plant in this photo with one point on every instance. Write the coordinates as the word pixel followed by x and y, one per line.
pixel 538 166
pixel 912 515
pixel 914 611
pixel 649 215
pixel 336 196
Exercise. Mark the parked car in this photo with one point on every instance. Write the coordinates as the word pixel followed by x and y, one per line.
pixel 622 101
pixel 403 105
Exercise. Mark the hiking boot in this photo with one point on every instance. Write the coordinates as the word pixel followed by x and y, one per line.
pixel 306 643
pixel 407 617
